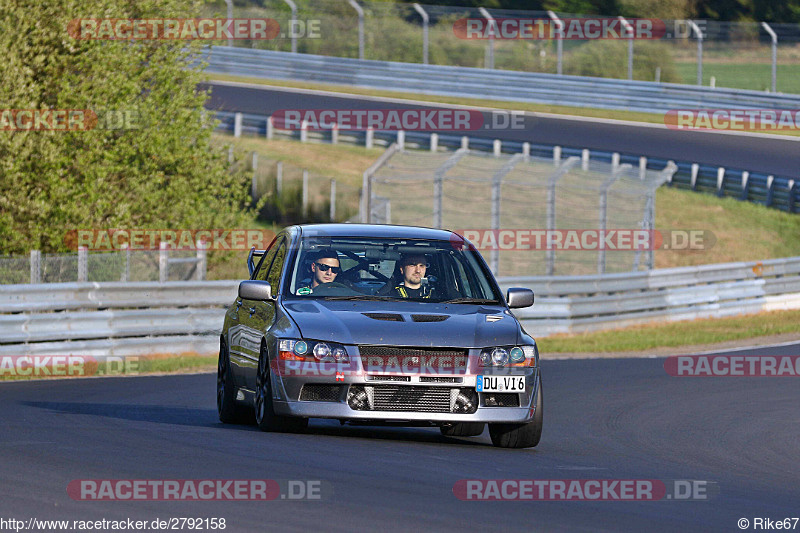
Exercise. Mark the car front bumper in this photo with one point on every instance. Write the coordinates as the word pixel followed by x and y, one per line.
pixel 289 402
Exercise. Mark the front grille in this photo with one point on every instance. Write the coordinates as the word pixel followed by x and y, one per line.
pixel 391 317
pixel 412 398
pixel 500 399
pixel 440 379
pixel 421 399
pixel 320 393
pixel 388 378
pixel 429 318
pixel 410 360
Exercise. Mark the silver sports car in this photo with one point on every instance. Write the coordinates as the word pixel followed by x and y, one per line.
pixel 379 325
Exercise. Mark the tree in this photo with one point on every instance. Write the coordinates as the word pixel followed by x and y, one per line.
pixel 160 172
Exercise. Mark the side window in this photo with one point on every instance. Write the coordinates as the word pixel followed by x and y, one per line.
pixel 263 268
pixel 274 275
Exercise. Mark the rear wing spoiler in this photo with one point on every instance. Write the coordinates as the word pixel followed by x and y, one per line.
pixel 253 258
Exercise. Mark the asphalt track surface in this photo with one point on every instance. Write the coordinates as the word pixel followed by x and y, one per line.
pixel 604 419
pixel 766 154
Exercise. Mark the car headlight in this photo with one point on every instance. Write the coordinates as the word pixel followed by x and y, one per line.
pixel 320 351
pixel 512 356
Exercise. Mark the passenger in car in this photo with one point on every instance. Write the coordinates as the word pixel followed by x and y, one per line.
pixel 414 285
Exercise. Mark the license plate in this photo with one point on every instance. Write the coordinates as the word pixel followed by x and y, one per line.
pixel 501 384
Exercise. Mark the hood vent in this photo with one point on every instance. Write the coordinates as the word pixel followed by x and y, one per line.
pixel 390 317
pixel 429 318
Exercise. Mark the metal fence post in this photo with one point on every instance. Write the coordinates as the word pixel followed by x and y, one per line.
pixel 369 138
pixel 434 142
pixel 464 142
pixel 270 128
pixel 237 125
pixel 401 139
pixel 489 59
pixel 745 183
pixel 497 146
pixel 556 155
pixel 335 134
pixel 791 189
pixel 254 181
pixel 774 38
pixel 642 168
pixel 229 3
pixel 603 215
pixel 279 178
pixel 304 131
pixel 720 180
pixel 36 266
pixel 126 253
pixel 200 270
pixel 770 190
pixel 497 182
pixel 438 185
pixel 163 262
pixel 83 260
pixel 699 34
pixel 360 12
pixel 425 20
pixel 333 200
pixel 566 166
pixel 630 46
pixel 305 195
pixel 585 159
pixel 559 39
pixel 293 24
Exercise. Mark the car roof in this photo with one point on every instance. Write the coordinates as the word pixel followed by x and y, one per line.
pixel 388 231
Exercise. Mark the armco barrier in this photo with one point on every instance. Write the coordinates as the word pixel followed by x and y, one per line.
pixel 139 318
pixel 467 82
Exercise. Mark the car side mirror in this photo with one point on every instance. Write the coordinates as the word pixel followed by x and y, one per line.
pixel 260 291
pixel 519 297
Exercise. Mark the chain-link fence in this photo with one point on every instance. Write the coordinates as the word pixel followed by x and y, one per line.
pixel 522 211
pixel 733 54
pixel 125 265
pixel 288 194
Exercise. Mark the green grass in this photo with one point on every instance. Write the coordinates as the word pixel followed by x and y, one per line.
pixel 675 335
pixel 133 366
pixel 753 76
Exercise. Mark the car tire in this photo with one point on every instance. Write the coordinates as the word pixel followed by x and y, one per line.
pixel 463 429
pixel 266 419
pixel 229 411
pixel 520 435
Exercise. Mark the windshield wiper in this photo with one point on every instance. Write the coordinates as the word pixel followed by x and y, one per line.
pixel 470 301
pixel 360 297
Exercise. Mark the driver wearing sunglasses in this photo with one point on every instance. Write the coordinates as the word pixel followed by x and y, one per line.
pixel 324 269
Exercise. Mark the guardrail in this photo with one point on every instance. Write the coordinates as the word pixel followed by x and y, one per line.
pixel 588 303
pixel 779 192
pixel 467 82
pixel 141 318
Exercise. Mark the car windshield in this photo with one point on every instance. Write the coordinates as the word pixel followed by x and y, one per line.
pixel 368 268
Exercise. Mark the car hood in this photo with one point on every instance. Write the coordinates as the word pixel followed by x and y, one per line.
pixel 404 323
